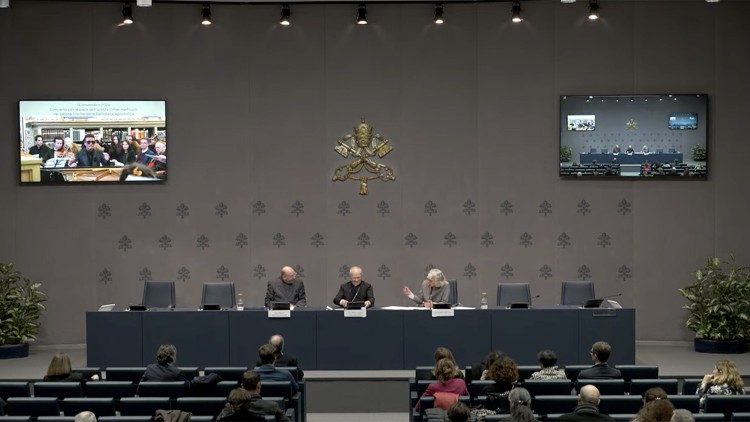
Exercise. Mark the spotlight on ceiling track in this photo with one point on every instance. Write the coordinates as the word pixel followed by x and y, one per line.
pixel 127 14
pixel 143 3
pixel 439 14
pixel 4 4
pixel 593 10
pixel 712 1
pixel 206 14
pixel 286 14
pixel 516 12
pixel 361 15
pixel 567 1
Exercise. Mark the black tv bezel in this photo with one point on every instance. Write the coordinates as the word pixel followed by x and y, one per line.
pixel 562 128
pixel 158 182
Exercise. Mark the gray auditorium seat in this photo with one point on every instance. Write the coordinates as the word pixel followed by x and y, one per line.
pixel 158 294
pixel 508 293
pixel 576 292
pixel 221 294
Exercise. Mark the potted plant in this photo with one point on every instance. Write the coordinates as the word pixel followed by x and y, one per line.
pixel 566 153
pixel 21 304
pixel 719 307
pixel 699 153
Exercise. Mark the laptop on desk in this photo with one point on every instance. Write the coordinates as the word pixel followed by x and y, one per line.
pixel 355 305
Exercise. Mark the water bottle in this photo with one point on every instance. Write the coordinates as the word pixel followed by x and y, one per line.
pixel 483 303
pixel 240 305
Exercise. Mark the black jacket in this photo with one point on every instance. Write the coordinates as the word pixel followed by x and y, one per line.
pixel 583 413
pixel 96 161
pixel 288 361
pixel 156 372
pixel 348 291
pixel 600 371
pixel 45 152
pixel 256 410
pixel 71 377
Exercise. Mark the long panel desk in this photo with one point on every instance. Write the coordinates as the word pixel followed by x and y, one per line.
pixel 636 158
pixel 385 339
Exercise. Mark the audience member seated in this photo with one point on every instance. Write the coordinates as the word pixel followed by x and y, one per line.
pixel 657 410
pixel 587 408
pixel 41 149
pixel 600 352
pixel 61 371
pixel 479 370
pixel 682 415
pixel 282 359
pixel 246 404
pixel 445 353
pixel 459 412
pixel 434 290
pixel 723 380
pixel 61 152
pixel 520 405
pixel 448 387
pixel 655 393
pixel 144 151
pixel 125 153
pixel 158 163
pixel 85 416
pixel 645 149
pixel 164 369
pixel 616 149
pixel 267 370
pixel 629 150
pixel 504 372
pixel 548 362
pixel 286 288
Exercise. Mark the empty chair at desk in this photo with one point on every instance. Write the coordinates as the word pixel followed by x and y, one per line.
pixel 453 292
pixel 576 292
pixel 221 294
pixel 508 293
pixel 158 294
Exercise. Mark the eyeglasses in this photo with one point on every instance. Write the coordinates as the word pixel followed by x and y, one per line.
pixel 89 142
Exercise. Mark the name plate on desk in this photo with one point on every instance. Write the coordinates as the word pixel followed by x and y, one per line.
pixel 279 313
pixel 355 313
pixel 438 313
pixel 603 312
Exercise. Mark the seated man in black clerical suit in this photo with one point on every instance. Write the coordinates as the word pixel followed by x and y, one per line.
pixel 355 290
pixel 600 352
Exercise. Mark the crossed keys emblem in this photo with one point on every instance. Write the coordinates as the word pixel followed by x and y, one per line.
pixel 364 147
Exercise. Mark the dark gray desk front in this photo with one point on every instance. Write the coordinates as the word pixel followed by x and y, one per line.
pixel 386 339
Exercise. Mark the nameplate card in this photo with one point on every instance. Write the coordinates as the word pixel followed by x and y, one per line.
pixel 355 313
pixel 279 313
pixel 438 313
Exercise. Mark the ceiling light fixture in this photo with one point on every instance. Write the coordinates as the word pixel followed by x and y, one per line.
pixel 361 15
pixel 286 14
pixel 439 14
pixel 143 3
pixel 516 12
pixel 127 14
pixel 593 10
pixel 206 14
pixel 567 1
pixel 4 4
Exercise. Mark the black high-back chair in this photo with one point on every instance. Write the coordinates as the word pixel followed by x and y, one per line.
pixel 576 292
pixel 221 294
pixel 508 293
pixel 453 295
pixel 158 294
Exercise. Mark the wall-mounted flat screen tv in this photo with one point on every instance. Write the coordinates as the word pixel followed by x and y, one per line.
pixel 637 136
pixel 80 141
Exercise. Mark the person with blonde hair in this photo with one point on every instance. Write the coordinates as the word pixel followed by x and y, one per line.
pixel 725 380
pixel 60 370
pixel 449 385
pixel 434 290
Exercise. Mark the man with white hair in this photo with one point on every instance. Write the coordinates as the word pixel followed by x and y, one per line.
pixel 355 290
pixel 588 407
pixel 85 416
pixel 434 290
pixel 286 288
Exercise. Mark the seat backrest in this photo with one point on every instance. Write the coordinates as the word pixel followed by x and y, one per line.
pixel 689 402
pixel 59 390
pixel 576 292
pixel 158 294
pixel 276 389
pixel 525 371
pixel 221 294
pixel 142 406
pixel 88 372
pixel 32 406
pixel 124 419
pixel 424 373
pixel 571 371
pixel 548 387
pixel 14 389
pixel 223 388
pixel 690 385
pixel 508 293
pixel 544 405
pixel 189 372
pixel 453 293
pixel 203 406
pixel 115 389
pixel 640 386
pixel 422 386
pixel 632 372
pixel 727 404
pixel 227 373
pixel 131 374
pixel 16 419
pixel 619 404
pixel 719 417
pixel 100 406
pixel 605 387
pixel 171 389
pixel 475 388
pixel 55 419
pixel 292 370
pixel 623 417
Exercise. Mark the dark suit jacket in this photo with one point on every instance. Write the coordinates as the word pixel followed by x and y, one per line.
pixel 156 372
pixel 83 159
pixel 270 373
pixel 583 413
pixel 600 371
pixel 71 377
pixel 256 410
pixel 286 360
pixel 348 290
pixel 45 152
pixel 278 291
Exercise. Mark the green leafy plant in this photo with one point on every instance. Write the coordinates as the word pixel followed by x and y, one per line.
pixel 699 153
pixel 566 153
pixel 21 304
pixel 719 301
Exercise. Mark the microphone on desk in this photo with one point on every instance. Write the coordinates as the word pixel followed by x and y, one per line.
pixel 611 296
